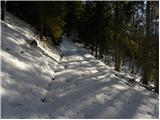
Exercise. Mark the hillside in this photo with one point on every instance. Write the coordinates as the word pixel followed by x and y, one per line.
pixel 37 83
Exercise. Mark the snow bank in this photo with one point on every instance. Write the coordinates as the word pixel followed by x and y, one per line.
pixel 26 70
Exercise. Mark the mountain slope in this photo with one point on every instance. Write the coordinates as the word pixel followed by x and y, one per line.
pixel 36 83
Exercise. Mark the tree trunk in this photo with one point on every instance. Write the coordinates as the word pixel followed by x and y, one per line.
pixel 123 61
pixel 132 70
pixel 92 48
pixel 157 66
pixel 146 64
pixel 3 9
pixel 105 57
pixel 157 82
pixel 138 66
pixel 117 56
pixel 130 63
pixel 96 55
pixel 101 52
pixel 42 21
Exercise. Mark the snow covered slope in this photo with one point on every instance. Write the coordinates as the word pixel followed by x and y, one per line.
pixel 34 85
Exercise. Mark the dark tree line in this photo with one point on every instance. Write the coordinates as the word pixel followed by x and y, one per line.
pixel 47 17
pixel 127 31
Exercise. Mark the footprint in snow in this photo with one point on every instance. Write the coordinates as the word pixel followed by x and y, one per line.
pixel 149 113
pixel 15 104
pixel 22 52
pixel 83 75
pixel 68 81
pixel 44 100
pixel 76 84
pixel 105 99
pixel 8 49
pixel 49 85
pixel 65 67
pixel 106 93
pixel 50 115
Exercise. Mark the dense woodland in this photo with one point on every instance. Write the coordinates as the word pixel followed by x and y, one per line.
pixel 127 31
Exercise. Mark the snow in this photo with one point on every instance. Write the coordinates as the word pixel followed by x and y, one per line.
pixel 39 84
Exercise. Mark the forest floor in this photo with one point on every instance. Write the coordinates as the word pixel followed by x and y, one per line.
pixel 37 83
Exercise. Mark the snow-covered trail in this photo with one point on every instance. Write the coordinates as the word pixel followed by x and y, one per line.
pixel 87 88
pixel 80 86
